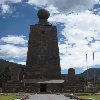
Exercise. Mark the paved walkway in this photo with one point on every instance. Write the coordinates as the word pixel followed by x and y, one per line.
pixel 48 97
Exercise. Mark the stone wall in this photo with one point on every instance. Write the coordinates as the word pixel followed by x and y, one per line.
pixel 13 86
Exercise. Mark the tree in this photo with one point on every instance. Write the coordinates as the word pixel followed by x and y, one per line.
pixel 5 75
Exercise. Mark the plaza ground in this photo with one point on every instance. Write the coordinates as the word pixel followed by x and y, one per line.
pixel 46 97
pixel 38 97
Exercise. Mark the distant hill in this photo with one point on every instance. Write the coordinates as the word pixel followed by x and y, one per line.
pixel 6 70
pixel 91 72
pixel 4 64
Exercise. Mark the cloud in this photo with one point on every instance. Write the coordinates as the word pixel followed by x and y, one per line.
pixel 82 35
pixel 76 57
pixel 14 39
pixel 22 63
pixel 9 50
pixel 66 5
pixel 14 47
pixel 38 2
pixel 5 5
pixel 5 9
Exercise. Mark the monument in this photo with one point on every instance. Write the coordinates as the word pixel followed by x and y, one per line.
pixel 43 53
pixel 72 83
pixel 43 63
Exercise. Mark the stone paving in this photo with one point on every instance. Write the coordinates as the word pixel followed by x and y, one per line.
pixel 48 97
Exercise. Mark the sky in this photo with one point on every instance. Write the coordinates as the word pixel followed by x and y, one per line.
pixel 78 30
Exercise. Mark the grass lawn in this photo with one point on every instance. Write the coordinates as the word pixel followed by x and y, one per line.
pixel 9 97
pixel 97 97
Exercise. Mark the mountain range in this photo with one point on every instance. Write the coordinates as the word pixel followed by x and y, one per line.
pixel 91 71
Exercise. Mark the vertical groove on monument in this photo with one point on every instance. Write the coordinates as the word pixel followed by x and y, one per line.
pixel 43 60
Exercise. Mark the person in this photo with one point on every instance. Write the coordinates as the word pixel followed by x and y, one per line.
pixel 23 98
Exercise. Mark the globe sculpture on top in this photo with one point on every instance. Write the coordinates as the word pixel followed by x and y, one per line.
pixel 43 14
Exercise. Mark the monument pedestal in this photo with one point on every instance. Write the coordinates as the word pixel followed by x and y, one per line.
pixel 43 85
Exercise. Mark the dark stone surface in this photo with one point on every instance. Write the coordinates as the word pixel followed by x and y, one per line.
pixel 71 72
pixel 33 87
pixel 43 53
pixel 13 86
pixel 72 83
pixel 43 60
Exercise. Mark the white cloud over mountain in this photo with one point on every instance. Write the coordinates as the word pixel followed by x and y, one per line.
pixel 22 63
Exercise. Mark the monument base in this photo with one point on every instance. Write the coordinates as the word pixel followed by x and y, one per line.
pixel 33 86
pixel 43 85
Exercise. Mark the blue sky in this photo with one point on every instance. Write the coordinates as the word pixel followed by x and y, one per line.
pixel 78 30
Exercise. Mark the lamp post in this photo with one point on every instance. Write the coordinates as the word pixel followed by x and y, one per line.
pixel 94 75
pixel 88 73
pixel 94 69
pixel 87 69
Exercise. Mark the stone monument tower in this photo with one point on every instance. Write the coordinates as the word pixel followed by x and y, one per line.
pixel 71 72
pixel 43 72
pixel 43 53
